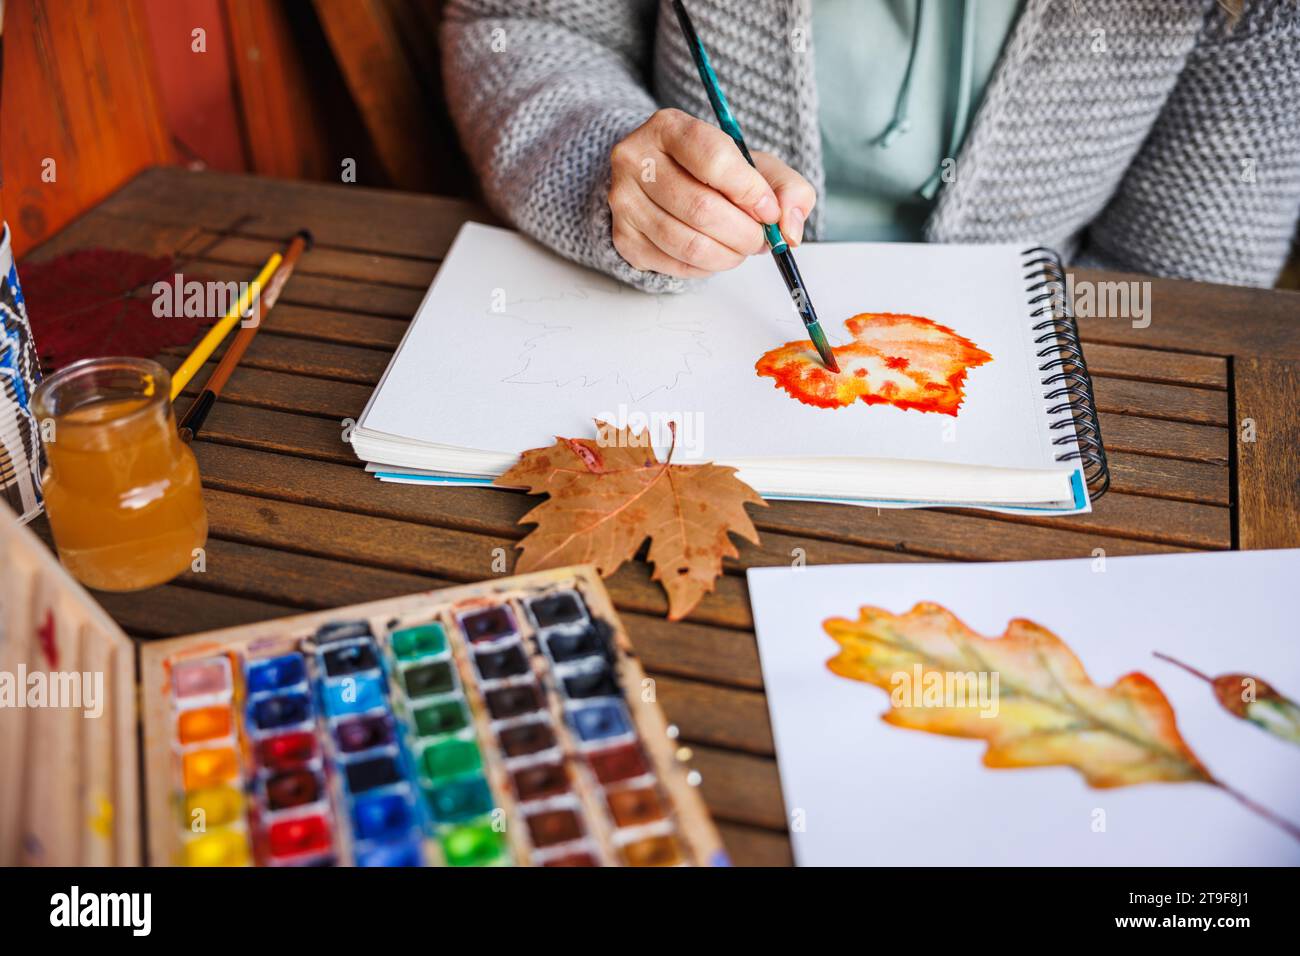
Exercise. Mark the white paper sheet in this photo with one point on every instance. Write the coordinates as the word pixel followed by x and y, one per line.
pixel 514 345
pixel 869 793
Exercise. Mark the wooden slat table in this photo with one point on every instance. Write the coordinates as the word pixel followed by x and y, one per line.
pixel 296 524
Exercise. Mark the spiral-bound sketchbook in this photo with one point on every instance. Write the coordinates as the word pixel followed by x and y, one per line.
pixel 961 379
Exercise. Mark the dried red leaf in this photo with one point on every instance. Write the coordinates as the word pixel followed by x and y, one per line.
pixel 86 304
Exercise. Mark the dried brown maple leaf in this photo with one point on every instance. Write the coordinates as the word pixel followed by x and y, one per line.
pixel 609 494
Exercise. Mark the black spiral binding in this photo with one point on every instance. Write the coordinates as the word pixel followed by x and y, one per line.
pixel 1069 386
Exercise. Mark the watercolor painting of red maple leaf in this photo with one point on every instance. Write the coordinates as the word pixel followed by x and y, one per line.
pixel 907 361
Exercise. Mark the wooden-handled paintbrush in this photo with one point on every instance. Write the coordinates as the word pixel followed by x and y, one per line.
pixel 198 411
pixel 776 242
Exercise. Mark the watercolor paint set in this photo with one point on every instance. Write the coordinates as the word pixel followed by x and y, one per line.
pixel 504 723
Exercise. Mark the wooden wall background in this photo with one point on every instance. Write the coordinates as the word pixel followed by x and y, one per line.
pixel 79 112
pixel 93 92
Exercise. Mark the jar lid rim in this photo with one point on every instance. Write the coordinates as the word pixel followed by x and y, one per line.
pixel 69 373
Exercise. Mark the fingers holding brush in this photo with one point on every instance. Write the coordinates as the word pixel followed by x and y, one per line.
pixel 682 185
pixel 793 192
pixel 641 253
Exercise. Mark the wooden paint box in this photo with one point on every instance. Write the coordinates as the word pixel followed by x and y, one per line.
pixel 505 722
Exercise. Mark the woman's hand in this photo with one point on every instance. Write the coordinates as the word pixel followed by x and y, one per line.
pixel 685 202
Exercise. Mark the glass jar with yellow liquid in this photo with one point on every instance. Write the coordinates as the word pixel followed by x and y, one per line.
pixel 121 489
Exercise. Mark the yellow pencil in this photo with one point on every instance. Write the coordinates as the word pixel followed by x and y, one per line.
pixel 203 351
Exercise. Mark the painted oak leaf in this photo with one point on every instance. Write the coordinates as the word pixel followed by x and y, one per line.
pixel 1049 713
pixel 1252 699
pixel 607 495
pixel 906 361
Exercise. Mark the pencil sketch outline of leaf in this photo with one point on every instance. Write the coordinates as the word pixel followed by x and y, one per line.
pixel 546 359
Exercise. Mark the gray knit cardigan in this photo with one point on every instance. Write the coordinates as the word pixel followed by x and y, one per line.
pixel 1143 135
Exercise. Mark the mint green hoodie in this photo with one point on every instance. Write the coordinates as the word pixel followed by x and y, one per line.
pixel 898 82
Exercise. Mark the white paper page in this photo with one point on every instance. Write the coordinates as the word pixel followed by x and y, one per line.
pixel 872 793
pixel 514 346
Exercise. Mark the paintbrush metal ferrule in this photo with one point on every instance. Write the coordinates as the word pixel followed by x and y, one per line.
pixel 823 347
pixel 802 303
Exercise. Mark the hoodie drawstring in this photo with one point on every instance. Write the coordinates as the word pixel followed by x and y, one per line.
pixel 901 122
pixel 961 109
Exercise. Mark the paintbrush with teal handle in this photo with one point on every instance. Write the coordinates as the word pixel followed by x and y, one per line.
pixel 776 242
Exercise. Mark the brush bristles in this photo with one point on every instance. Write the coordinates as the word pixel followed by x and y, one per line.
pixel 823 347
